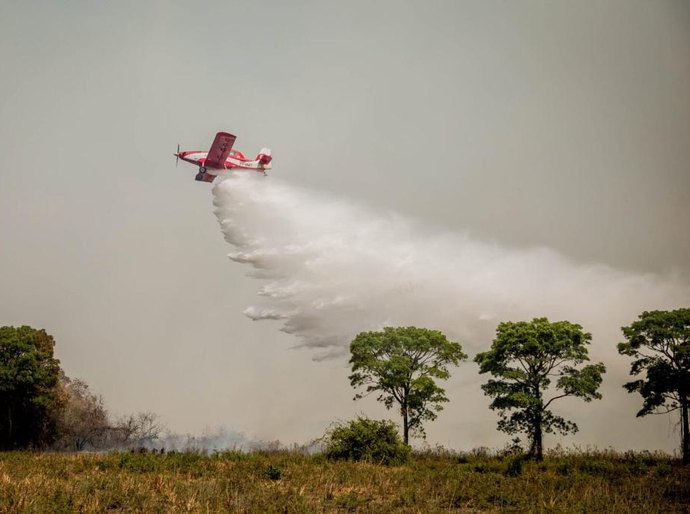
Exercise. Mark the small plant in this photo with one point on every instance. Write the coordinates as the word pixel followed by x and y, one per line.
pixel 480 468
pixel 482 452
pixel 564 467
pixel 273 473
pixel 366 439
pixel 513 448
pixel 514 468
pixel 663 469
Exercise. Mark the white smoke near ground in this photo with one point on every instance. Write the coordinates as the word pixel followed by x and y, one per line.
pixel 330 268
pixel 218 439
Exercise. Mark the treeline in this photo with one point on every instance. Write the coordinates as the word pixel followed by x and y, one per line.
pixel 532 364
pixel 41 408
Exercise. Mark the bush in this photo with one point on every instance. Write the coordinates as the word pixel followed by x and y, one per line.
pixel 368 440
pixel 514 468
pixel 564 467
pixel 663 469
pixel 273 473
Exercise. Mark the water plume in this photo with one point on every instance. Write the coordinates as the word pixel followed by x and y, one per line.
pixel 331 268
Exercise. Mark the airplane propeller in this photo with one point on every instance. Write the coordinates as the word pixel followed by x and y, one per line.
pixel 177 155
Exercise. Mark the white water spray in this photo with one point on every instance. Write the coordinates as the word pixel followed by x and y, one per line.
pixel 332 268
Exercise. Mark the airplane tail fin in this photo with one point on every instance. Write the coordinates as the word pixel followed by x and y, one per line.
pixel 264 156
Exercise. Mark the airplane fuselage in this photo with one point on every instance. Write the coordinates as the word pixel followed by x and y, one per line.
pixel 222 156
pixel 232 161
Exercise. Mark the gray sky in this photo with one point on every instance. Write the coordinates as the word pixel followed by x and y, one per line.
pixel 556 124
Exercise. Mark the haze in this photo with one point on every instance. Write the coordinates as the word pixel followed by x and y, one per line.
pixel 526 125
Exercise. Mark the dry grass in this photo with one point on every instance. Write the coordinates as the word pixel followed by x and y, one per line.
pixel 290 482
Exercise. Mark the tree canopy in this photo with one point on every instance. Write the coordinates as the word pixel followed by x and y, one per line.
pixel 659 341
pixel 525 357
pixel 401 364
pixel 41 407
pixel 28 387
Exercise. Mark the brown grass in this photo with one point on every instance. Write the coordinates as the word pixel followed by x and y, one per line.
pixel 290 482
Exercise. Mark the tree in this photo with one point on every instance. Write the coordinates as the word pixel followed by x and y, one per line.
pixel 401 364
pixel 140 430
pixel 83 422
pixel 83 419
pixel 659 341
pixel 28 387
pixel 525 357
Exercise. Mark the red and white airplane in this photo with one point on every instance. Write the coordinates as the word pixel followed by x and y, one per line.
pixel 222 157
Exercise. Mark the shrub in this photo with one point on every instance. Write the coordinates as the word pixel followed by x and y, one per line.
pixel 663 469
pixel 512 449
pixel 368 440
pixel 273 473
pixel 564 467
pixel 514 468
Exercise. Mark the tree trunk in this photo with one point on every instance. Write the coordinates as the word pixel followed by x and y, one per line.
pixel 538 446
pixel 9 427
pixel 536 450
pixel 406 426
pixel 685 430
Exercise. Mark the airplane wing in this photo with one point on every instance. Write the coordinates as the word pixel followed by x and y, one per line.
pixel 219 151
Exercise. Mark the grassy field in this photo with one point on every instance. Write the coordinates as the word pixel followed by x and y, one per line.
pixel 291 482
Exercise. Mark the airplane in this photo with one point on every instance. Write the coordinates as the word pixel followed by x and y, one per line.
pixel 221 156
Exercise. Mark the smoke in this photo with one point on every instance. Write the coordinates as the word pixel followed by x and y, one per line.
pixel 218 439
pixel 329 268
pixel 221 439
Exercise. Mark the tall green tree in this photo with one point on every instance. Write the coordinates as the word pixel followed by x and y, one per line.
pixel 401 364
pixel 659 341
pixel 28 387
pixel 525 358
